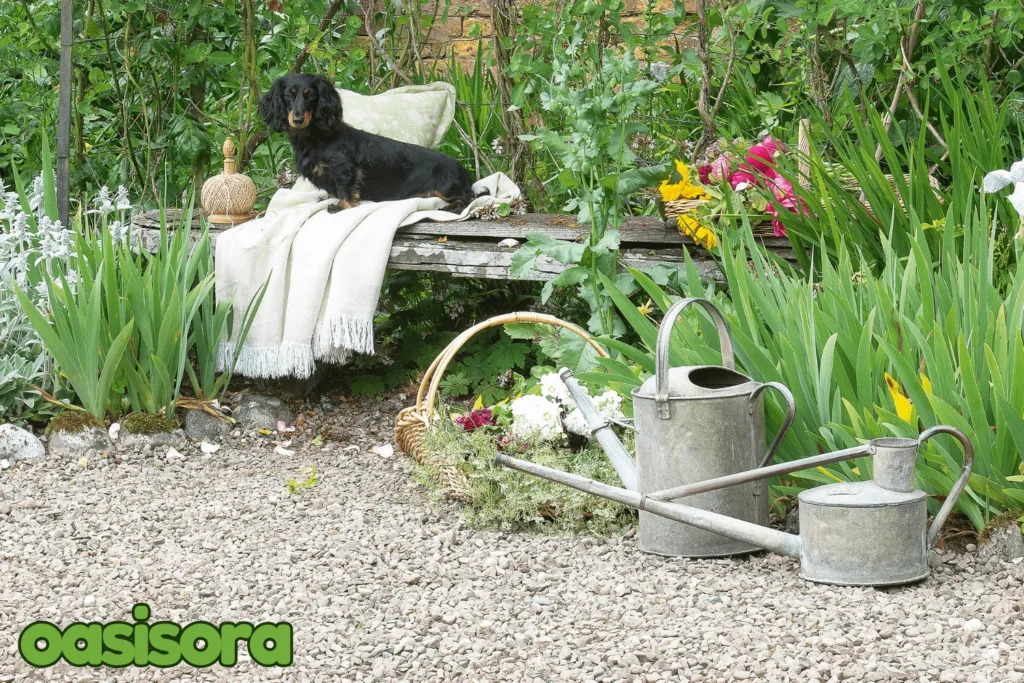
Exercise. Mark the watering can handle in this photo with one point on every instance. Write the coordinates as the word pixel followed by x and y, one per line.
pixel 665 339
pixel 787 396
pixel 961 482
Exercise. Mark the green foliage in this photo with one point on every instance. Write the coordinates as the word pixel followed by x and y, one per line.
pixel 592 96
pixel 940 326
pixel 79 339
pixel 212 324
pixel 969 122
pixel 506 499
pixel 294 486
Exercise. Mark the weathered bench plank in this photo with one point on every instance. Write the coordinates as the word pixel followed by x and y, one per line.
pixel 471 248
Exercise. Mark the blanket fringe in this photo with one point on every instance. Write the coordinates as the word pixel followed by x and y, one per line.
pixel 290 359
pixel 337 337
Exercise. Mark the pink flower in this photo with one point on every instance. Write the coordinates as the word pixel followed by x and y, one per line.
pixel 720 168
pixel 742 179
pixel 773 146
pixel 761 159
pixel 782 188
pixel 704 174
pixel 481 417
pixel 783 191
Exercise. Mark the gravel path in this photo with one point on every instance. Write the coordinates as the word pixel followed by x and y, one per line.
pixel 380 585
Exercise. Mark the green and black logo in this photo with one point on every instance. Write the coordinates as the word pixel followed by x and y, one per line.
pixel 161 644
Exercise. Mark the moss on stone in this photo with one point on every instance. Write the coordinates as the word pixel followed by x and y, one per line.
pixel 998 523
pixel 144 423
pixel 73 421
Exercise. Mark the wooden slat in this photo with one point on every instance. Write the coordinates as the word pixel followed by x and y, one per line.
pixel 470 248
pixel 477 259
pixel 641 230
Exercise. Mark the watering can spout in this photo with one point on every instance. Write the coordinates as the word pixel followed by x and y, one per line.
pixel 748 532
pixel 618 456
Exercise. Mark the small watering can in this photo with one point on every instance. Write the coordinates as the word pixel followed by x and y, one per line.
pixel 694 423
pixel 869 533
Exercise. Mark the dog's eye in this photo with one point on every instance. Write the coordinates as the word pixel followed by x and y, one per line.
pixel 306 92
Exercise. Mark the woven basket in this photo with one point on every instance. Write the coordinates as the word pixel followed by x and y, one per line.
pixel 412 422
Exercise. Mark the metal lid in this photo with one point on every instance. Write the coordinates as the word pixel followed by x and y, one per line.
pixel 862 494
pixel 699 382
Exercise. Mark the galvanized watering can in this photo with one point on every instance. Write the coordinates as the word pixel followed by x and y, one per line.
pixel 871 533
pixel 693 423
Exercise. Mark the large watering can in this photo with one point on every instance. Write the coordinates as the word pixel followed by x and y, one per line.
pixel 694 423
pixel 871 533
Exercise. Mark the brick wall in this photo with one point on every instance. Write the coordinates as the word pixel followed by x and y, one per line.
pixel 469 21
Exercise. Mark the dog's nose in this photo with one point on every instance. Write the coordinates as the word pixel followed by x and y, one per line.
pixel 306 118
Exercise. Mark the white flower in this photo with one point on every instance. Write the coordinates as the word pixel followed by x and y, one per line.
pixel 576 423
pixel 535 417
pixel 121 199
pixel 997 180
pixel 103 203
pixel 552 387
pixel 659 70
pixel 118 231
pixel 609 404
pixel 35 196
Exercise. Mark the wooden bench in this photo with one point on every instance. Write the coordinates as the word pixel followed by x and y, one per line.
pixel 471 248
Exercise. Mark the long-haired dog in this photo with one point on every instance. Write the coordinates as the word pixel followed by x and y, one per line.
pixel 351 164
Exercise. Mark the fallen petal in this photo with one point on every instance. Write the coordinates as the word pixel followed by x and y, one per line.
pixel 282 427
pixel 283 451
pixel 173 455
pixel 114 430
pixel 385 451
pixel 206 447
pixel 508 243
pixel 283 444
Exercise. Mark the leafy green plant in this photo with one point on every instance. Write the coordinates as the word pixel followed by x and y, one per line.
pixel 595 93
pixel 210 326
pixel 294 486
pixel 926 341
pixel 505 499
pixel 79 339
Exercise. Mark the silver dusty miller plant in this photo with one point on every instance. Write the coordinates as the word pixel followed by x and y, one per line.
pixel 31 244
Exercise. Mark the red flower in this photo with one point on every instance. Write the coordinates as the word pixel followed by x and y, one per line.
pixel 742 179
pixel 704 174
pixel 481 417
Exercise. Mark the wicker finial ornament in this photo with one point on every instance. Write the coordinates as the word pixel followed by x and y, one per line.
pixel 228 198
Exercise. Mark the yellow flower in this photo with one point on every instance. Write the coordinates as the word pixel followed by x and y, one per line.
pixel 692 228
pixel 683 189
pixel 646 307
pixel 904 408
pixel 684 172
pixel 926 384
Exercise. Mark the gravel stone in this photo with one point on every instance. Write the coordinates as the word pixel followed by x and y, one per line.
pixel 254 411
pixel 17 444
pixel 217 538
pixel 202 426
pixel 174 439
pixel 67 445
pixel 1004 543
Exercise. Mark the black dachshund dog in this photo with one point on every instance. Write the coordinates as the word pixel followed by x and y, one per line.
pixel 351 164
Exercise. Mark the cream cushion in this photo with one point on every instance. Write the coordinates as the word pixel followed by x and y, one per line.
pixel 418 114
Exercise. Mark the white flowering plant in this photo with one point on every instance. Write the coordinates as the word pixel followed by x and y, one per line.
pixel 543 426
pixel 32 243
pixel 544 414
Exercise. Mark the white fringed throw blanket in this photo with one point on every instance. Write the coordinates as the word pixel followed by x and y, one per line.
pixel 325 272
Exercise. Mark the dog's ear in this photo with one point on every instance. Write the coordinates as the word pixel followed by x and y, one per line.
pixel 272 107
pixel 328 108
